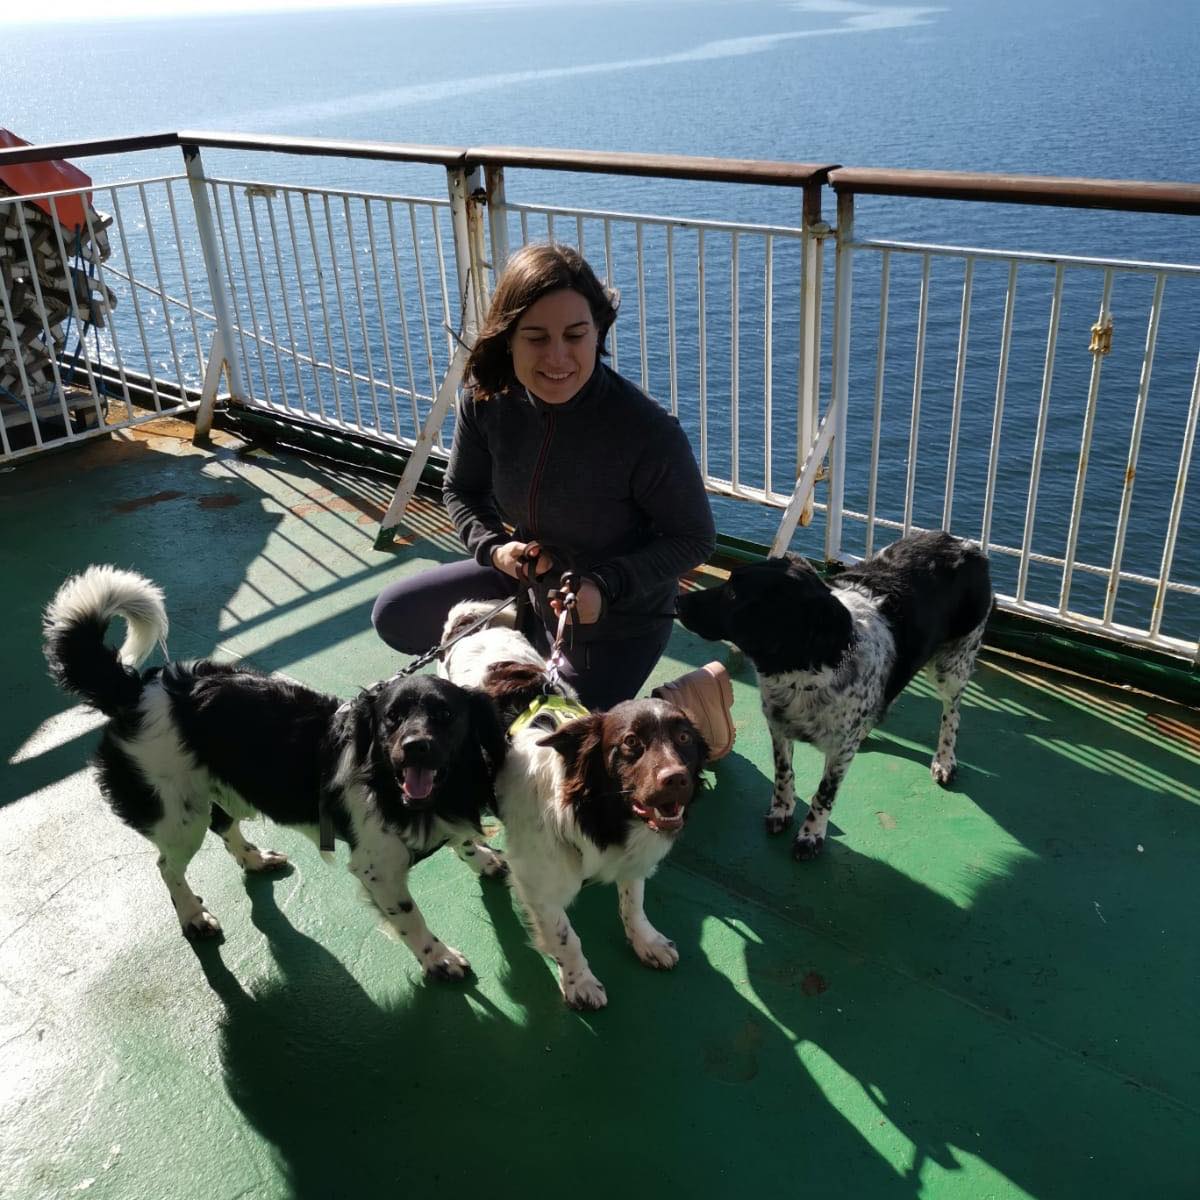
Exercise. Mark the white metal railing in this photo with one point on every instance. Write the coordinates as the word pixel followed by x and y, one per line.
pixel 710 311
pixel 140 307
pixel 321 287
pixel 1103 562
pixel 885 387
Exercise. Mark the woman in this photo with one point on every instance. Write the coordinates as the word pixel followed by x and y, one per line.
pixel 590 474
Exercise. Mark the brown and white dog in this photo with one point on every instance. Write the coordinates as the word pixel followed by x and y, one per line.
pixel 583 796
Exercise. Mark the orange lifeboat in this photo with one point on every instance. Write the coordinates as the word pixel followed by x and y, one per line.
pixel 30 179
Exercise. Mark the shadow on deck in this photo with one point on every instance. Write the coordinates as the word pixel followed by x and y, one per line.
pixel 986 991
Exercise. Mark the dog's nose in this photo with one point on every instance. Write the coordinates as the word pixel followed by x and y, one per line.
pixel 416 748
pixel 671 778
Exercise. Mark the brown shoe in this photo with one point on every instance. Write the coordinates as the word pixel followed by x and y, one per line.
pixel 706 695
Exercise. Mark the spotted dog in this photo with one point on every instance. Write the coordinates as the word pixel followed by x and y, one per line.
pixel 584 797
pixel 397 772
pixel 832 657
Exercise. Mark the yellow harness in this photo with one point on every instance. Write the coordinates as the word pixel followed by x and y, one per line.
pixel 559 707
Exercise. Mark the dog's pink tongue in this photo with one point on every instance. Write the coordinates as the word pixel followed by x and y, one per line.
pixel 418 782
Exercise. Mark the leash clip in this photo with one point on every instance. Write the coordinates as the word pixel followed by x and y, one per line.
pixel 567 594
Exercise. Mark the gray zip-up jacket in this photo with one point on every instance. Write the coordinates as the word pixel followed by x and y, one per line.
pixel 606 483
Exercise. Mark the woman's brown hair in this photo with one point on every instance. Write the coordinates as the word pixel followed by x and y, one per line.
pixel 531 273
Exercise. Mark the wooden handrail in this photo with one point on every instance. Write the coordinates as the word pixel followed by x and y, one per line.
pixel 1120 195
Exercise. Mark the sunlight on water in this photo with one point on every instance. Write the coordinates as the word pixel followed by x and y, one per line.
pixel 858 18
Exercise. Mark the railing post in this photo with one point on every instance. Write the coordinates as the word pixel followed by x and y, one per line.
pixel 811 443
pixel 812 243
pixel 467 198
pixel 840 382
pixel 224 344
pixel 497 218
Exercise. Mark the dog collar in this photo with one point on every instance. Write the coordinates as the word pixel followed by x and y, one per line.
pixel 559 707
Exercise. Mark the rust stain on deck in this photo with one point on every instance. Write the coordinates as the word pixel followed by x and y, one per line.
pixel 813 984
pixel 1175 729
pixel 736 1061
pixel 370 512
pixel 220 500
pixel 127 506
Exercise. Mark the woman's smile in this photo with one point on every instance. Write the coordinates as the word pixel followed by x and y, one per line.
pixel 554 346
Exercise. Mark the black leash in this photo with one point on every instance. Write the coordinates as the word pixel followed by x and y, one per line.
pixel 429 655
pixel 569 588
pixel 566 594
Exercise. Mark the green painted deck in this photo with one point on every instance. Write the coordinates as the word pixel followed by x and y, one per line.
pixel 983 992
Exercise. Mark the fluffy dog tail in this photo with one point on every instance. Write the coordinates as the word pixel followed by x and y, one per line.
pixel 74 626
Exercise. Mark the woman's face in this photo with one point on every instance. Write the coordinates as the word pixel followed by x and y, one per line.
pixel 554 346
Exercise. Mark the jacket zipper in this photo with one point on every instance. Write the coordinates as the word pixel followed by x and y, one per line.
pixel 536 478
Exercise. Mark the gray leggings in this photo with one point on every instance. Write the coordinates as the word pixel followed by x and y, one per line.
pixel 409 615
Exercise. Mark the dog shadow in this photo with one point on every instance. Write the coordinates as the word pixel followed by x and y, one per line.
pixel 355 1098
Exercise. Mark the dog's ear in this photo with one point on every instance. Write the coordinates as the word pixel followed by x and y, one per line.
pixel 816 627
pixel 796 566
pixel 787 618
pixel 569 738
pixel 358 723
pixel 358 726
pixel 503 680
pixel 487 730
pixel 581 744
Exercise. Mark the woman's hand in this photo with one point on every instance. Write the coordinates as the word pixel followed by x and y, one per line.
pixel 512 556
pixel 589 603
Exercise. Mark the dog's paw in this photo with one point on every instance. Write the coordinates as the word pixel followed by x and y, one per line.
pixel 583 991
pixel 482 859
pixel 202 925
pixel 656 951
pixel 264 860
pixel 777 819
pixel 492 862
pixel 444 962
pixel 943 771
pixel 807 846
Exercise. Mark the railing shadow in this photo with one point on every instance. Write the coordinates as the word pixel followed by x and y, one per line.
pixel 682 1082
pixel 209 530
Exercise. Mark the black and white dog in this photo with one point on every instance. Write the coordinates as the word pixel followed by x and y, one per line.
pixel 832 657
pixel 583 796
pixel 398 771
